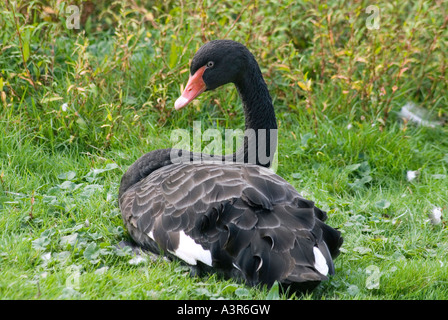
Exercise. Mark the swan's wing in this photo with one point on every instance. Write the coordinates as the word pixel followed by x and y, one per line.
pixel 241 217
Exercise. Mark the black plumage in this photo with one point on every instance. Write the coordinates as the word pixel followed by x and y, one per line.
pixel 267 233
pixel 239 219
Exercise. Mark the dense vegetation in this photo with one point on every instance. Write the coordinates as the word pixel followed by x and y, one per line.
pixel 80 103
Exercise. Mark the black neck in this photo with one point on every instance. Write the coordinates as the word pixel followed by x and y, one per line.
pixel 260 140
pixel 257 103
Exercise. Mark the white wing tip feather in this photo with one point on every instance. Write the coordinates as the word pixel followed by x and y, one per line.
pixel 191 252
pixel 320 263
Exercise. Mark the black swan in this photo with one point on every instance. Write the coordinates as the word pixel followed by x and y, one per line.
pixel 240 219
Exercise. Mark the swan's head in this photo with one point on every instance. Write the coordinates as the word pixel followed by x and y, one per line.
pixel 216 63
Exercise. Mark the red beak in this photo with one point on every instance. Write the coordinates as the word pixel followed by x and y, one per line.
pixel 195 86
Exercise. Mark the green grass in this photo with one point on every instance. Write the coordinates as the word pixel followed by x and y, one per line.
pixel 337 88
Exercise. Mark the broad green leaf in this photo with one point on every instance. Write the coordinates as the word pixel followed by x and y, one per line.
pixel 67 185
pixel 26 50
pixel 353 167
pixel 92 251
pixel 242 292
pixel 70 175
pixel 273 293
pixel 362 250
pixel 297 175
pixel 382 204
pixel 230 288
pixel 174 55
pixel 69 240
pixel 40 243
pixel 353 290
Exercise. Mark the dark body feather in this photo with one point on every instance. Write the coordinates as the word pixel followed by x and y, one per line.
pixel 256 225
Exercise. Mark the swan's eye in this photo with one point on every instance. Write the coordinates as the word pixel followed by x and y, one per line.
pixel 210 64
